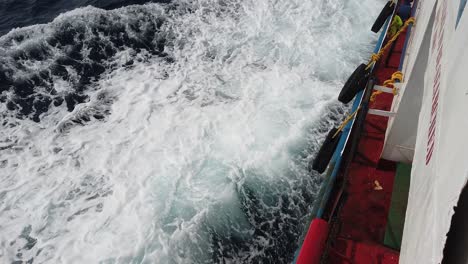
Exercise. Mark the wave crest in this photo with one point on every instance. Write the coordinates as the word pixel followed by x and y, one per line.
pixel 54 64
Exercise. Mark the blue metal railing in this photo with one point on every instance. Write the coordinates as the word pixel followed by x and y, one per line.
pixel 410 27
pixel 337 156
pixel 335 164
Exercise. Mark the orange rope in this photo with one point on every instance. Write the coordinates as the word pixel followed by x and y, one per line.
pixel 390 83
pixel 376 56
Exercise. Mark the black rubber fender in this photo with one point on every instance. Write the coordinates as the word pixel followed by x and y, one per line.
pixel 386 12
pixel 326 151
pixel 355 83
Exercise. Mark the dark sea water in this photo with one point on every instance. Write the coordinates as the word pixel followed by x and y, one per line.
pixel 21 13
pixel 39 49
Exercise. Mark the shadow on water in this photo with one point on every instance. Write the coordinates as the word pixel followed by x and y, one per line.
pixel 277 213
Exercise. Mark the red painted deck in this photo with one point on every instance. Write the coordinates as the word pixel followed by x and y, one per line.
pixel 363 217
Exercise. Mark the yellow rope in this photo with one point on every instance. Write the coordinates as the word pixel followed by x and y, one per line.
pixel 374 95
pixel 346 121
pixel 396 76
pixel 376 56
pixel 390 83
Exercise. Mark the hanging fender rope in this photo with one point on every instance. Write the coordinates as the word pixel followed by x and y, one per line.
pixel 346 121
pixel 376 56
pixel 390 83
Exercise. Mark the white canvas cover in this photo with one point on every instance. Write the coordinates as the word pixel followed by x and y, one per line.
pixel 440 165
pixel 423 13
pixel 400 138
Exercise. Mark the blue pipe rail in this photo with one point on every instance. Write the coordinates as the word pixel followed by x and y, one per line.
pixel 337 156
pixel 410 27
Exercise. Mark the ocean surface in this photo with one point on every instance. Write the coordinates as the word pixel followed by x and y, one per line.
pixel 168 131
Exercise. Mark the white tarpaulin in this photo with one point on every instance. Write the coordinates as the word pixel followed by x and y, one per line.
pixel 440 166
pixel 423 12
pixel 400 138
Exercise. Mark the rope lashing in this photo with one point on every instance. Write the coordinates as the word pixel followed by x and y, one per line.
pixel 390 83
pixel 376 56
pixel 396 76
pixel 346 121
pixel 374 95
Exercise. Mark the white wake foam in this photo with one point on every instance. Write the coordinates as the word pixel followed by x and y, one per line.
pixel 165 177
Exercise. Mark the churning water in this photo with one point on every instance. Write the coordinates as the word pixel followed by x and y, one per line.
pixel 170 133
